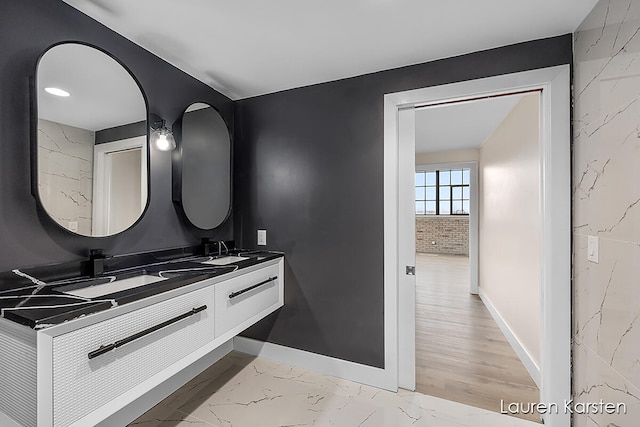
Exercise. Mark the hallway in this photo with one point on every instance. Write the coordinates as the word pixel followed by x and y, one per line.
pixel 461 354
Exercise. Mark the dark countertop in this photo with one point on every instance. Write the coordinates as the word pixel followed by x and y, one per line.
pixel 39 305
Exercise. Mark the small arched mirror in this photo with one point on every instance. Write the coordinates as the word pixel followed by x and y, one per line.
pixel 202 168
pixel 91 150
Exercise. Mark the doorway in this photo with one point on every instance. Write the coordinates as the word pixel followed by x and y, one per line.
pixel 554 215
pixel 460 192
pixel 119 184
pixel 461 353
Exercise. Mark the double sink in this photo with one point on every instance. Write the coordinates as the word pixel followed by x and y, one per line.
pixel 58 301
pixel 139 277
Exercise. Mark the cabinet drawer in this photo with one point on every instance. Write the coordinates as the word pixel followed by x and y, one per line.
pixel 241 298
pixel 82 385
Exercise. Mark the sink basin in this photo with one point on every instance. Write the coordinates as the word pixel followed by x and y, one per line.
pixel 231 259
pixel 113 287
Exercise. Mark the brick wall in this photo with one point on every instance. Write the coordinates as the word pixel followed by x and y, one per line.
pixel 450 234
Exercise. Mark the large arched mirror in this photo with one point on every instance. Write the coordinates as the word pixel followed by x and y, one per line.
pixel 91 150
pixel 202 167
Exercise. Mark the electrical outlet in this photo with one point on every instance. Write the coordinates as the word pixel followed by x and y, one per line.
pixel 262 237
pixel 593 250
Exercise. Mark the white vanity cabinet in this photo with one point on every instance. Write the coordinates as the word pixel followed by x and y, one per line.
pixel 246 299
pixel 82 385
pixel 78 383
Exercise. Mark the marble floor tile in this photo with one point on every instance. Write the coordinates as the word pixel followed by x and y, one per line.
pixel 244 391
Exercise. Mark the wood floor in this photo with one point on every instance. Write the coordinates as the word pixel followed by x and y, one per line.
pixel 461 354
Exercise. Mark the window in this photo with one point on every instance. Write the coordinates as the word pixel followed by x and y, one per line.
pixel 442 192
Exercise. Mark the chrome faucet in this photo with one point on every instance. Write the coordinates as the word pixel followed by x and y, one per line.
pixel 221 243
pixel 207 247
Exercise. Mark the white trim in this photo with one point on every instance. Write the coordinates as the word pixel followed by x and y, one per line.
pixel 102 180
pixel 390 197
pixel 556 243
pixel 522 353
pixel 351 371
pixel 555 378
pixel 407 252
pixel 473 215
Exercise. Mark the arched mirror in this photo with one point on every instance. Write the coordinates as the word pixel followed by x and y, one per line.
pixel 91 150
pixel 202 167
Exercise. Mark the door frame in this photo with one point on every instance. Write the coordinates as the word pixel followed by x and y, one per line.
pixel 555 214
pixel 102 180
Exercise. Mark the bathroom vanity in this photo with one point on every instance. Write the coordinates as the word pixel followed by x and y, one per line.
pixel 124 335
pixel 99 342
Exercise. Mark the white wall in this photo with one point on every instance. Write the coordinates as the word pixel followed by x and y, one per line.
pixel 510 228
pixel 452 156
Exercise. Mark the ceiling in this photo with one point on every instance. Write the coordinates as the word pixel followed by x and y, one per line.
pixel 245 48
pixel 103 94
pixel 462 125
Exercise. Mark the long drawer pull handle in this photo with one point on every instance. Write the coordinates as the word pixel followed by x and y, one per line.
pixel 242 291
pixel 107 348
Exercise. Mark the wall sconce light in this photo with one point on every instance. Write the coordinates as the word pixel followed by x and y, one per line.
pixel 162 136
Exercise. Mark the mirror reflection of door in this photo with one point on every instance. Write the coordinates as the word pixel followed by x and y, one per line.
pixel 86 101
pixel 120 184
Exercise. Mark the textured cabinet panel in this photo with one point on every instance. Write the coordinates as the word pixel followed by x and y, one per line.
pixel 81 385
pixel 231 312
pixel 18 375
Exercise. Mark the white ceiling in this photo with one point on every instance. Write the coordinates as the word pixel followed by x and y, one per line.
pixel 460 126
pixel 245 48
pixel 103 94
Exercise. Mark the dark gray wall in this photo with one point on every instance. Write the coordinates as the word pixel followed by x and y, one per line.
pixel 29 237
pixel 309 169
pixel 117 133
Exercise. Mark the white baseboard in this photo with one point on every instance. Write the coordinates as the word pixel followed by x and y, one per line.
pixel 344 369
pixel 522 353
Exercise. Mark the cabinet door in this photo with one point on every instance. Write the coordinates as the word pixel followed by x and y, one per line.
pixel 246 299
pixel 82 385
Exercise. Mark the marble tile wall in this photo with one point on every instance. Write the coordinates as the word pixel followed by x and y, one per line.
pixel 65 173
pixel 606 203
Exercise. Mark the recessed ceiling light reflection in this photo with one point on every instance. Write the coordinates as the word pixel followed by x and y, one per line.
pixel 57 91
